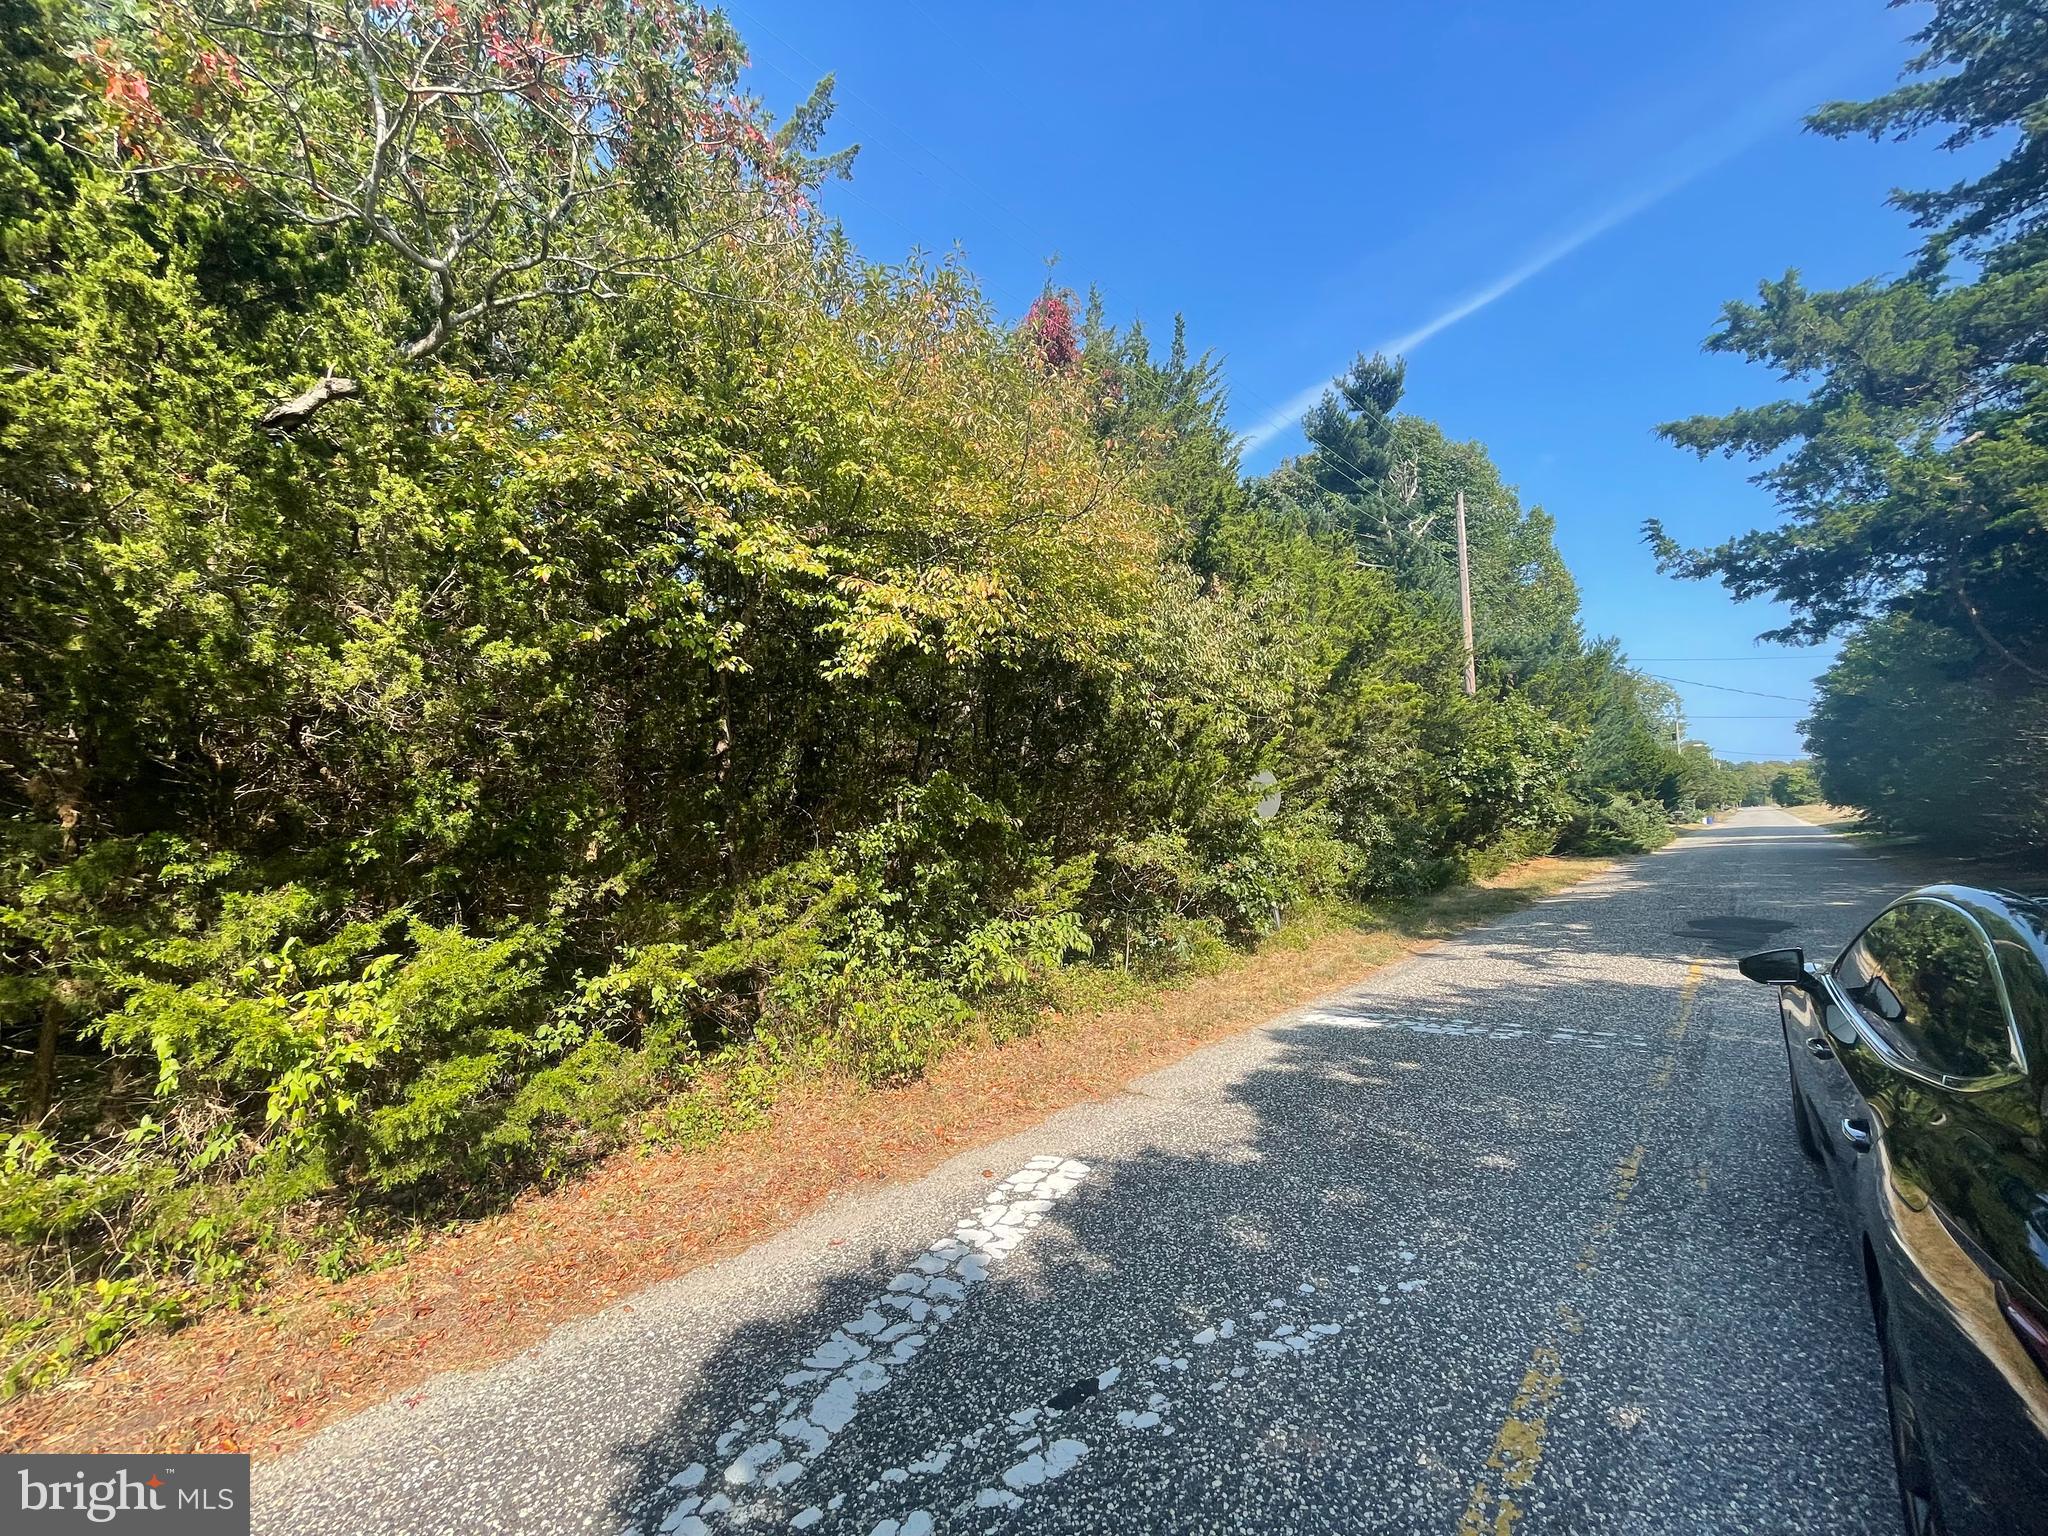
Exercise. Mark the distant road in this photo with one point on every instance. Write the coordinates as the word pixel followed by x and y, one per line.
pixel 1513 1237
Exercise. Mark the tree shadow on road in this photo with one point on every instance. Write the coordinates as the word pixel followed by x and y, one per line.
pixel 1433 1191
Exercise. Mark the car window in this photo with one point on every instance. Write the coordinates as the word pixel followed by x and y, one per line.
pixel 1921 974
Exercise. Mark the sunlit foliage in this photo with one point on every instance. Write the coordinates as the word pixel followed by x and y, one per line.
pixel 1914 473
pixel 689 654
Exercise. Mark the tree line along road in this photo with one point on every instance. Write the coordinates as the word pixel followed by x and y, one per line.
pixel 1513 1237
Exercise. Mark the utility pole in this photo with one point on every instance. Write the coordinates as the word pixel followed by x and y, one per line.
pixel 1465 600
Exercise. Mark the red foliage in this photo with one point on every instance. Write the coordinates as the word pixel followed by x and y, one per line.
pixel 216 69
pixel 127 88
pixel 128 103
pixel 1049 322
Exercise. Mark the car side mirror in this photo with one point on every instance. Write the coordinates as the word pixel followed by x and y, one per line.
pixel 1777 967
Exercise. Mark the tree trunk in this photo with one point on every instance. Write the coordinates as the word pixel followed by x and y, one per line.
pixel 120 1082
pixel 721 756
pixel 42 1076
pixel 1990 640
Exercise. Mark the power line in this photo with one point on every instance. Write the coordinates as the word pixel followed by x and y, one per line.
pixel 1754 656
pixel 1724 688
pixel 1348 468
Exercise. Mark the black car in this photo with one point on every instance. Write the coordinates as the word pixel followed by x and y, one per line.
pixel 1918 1062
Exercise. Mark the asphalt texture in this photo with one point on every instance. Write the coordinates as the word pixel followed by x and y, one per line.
pixel 1513 1238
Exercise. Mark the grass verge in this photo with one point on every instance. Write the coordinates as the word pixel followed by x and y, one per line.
pixel 1924 861
pixel 1844 816
pixel 312 1351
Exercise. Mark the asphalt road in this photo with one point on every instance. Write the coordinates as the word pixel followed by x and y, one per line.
pixel 1512 1238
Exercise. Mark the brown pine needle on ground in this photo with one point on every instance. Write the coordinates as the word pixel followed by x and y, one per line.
pixel 313 1351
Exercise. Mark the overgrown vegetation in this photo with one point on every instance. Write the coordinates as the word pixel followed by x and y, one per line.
pixel 517 639
pixel 1914 475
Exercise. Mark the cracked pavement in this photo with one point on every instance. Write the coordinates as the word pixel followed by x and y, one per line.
pixel 1513 1236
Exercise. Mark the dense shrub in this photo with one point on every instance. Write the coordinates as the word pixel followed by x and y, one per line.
pixel 1619 824
pixel 1915 730
pixel 642 695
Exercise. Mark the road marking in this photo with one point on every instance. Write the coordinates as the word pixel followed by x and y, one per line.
pixel 1517 1448
pixel 1461 1028
pixel 822 1394
pixel 1127 1398
pixel 1688 995
pixel 1626 1172
pixel 1013 1455
pixel 1495 1506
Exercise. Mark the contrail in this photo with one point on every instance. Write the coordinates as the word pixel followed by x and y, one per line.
pixel 1704 153
pixel 1290 413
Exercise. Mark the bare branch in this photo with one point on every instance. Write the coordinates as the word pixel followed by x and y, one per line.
pixel 496 166
pixel 290 415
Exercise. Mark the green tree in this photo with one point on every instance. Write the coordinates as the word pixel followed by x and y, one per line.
pixel 1171 415
pixel 1794 784
pixel 488 161
pixel 686 662
pixel 1912 474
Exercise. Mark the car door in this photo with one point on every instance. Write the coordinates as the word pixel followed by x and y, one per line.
pixel 1819 1028
pixel 1941 1193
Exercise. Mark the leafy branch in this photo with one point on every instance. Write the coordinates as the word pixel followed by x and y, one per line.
pixel 500 154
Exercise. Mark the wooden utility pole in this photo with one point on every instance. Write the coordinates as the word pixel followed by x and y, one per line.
pixel 1465 600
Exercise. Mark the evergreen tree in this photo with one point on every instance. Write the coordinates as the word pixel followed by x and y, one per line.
pixel 1914 474
pixel 749 660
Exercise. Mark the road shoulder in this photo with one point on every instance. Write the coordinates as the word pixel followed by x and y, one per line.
pixel 314 1352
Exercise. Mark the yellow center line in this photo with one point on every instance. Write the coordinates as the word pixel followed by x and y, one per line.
pixel 1493 1509
pixel 1688 993
pixel 1626 1172
pixel 1517 1448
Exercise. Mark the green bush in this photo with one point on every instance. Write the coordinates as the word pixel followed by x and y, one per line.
pixel 646 698
pixel 1619 824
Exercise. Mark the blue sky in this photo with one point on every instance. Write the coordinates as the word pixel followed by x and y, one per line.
pixel 1549 204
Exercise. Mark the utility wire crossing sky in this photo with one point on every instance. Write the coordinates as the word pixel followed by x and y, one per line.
pixel 1558 232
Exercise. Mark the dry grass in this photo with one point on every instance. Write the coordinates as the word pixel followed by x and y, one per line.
pixel 1927 861
pixel 262 1379
pixel 1824 815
